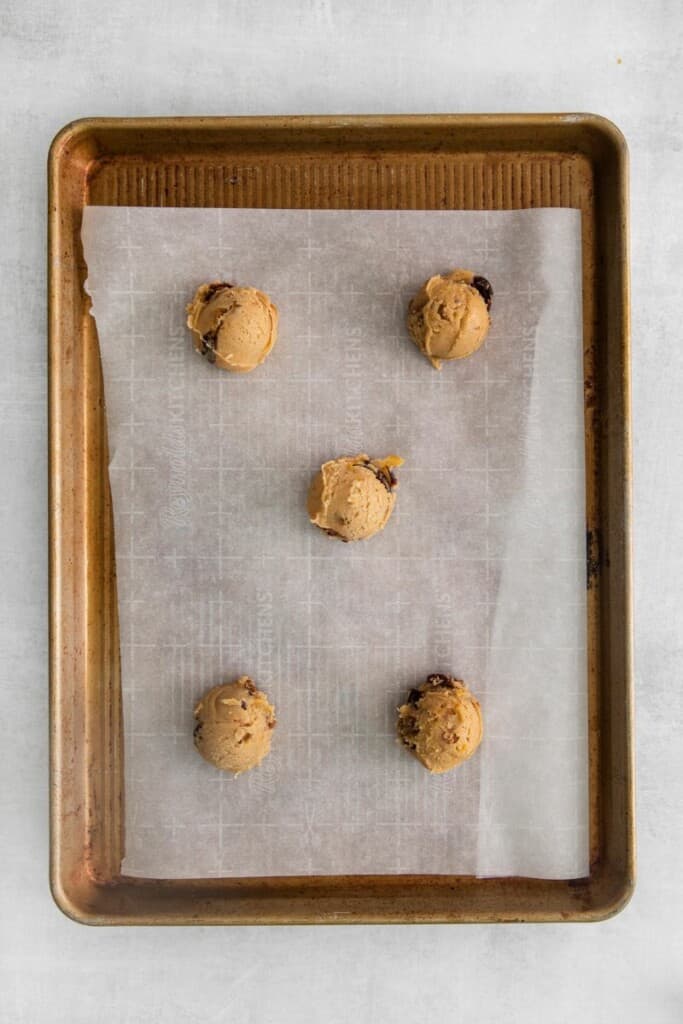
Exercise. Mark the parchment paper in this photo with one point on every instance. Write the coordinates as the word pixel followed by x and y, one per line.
pixel 480 572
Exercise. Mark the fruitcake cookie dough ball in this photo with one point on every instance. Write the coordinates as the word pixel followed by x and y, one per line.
pixel 235 723
pixel 440 723
pixel 449 317
pixel 351 498
pixel 234 327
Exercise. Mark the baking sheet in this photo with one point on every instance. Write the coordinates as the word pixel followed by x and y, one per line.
pixel 480 572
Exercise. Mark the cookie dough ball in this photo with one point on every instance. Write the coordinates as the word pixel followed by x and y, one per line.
pixel 449 316
pixel 235 723
pixel 235 328
pixel 351 498
pixel 440 723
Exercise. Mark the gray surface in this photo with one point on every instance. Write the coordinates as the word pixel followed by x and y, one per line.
pixel 61 61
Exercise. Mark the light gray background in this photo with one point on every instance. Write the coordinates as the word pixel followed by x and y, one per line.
pixel 63 60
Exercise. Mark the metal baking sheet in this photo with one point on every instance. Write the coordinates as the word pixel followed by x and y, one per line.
pixel 483 162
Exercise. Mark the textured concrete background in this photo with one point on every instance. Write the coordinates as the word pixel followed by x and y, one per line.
pixel 64 60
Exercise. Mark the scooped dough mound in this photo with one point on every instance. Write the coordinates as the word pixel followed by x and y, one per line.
pixel 351 498
pixel 440 723
pixel 449 316
pixel 235 723
pixel 234 327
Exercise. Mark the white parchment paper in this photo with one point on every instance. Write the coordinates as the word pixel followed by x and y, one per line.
pixel 480 572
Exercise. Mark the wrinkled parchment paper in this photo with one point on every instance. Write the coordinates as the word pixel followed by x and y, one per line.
pixel 480 572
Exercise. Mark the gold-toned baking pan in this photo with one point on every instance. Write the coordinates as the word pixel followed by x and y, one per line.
pixel 434 162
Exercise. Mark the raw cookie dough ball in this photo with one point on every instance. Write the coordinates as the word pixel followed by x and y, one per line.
pixel 235 328
pixel 440 723
pixel 235 722
pixel 352 497
pixel 449 316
